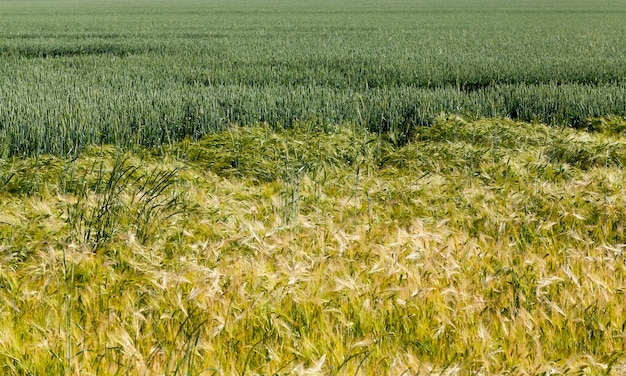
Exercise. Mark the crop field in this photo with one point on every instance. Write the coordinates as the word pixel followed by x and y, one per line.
pixel 490 247
pixel 139 72
pixel 290 187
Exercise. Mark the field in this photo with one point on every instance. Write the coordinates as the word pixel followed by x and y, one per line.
pixel 302 188
pixel 146 73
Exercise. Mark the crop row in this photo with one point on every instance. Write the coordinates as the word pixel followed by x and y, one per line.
pixel 64 124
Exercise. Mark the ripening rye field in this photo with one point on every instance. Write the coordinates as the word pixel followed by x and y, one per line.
pixel 289 187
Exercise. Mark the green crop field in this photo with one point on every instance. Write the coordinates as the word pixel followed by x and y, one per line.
pixel 76 73
pixel 291 187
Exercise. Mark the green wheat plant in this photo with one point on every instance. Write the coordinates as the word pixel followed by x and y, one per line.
pixel 81 73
